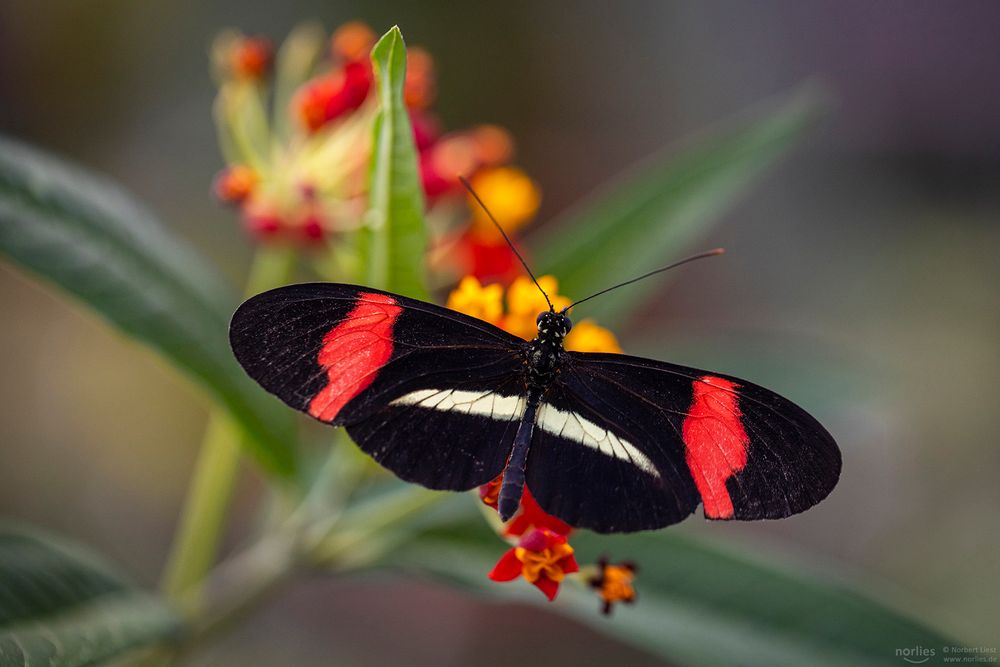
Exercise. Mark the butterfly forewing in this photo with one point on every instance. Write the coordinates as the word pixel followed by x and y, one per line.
pixel 750 453
pixel 431 394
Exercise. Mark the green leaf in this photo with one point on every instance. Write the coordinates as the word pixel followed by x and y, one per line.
pixel 698 604
pixel 650 216
pixel 62 606
pixel 91 239
pixel 393 241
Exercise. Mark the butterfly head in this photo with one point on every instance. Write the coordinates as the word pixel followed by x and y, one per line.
pixel 553 326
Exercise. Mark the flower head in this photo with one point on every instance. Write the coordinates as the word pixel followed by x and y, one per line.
pixel 524 303
pixel 477 300
pixel 543 557
pixel 241 57
pixel 298 147
pixel 352 41
pixel 511 196
pixel 234 184
pixel 613 583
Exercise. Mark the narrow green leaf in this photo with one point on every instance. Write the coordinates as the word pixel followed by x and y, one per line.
pixel 87 236
pixel 393 241
pixel 650 216
pixel 698 603
pixel 62 606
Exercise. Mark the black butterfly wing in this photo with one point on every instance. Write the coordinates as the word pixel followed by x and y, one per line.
pixel 593 464
pixel 431 394
pixel 742 450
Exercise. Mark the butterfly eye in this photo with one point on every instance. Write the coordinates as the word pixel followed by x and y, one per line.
pixel 538 320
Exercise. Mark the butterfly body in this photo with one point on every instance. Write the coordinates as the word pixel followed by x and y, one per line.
pixel 603 441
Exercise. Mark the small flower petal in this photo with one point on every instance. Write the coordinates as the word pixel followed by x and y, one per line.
pixel 547 586
pixel 507 568
pixel 585 336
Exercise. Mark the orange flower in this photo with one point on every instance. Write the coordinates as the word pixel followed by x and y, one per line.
pixel 613 583
pixel 525 302
pixel 542 557
pixel 511 196
pixel 472 298
pixel 234 184
pixel 352 41
pixel 243 58
pixel 420 85
pixel 585 336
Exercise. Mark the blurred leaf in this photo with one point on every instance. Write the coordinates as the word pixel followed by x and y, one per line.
pixel 698 604
pixel 91 239
pixel 393 243
pixel 650 217
pixel 62 606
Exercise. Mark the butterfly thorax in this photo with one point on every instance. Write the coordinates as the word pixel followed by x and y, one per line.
pixel 546 350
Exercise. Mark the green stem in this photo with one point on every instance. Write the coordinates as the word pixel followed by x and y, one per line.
pixel 205 508
pixel 196 542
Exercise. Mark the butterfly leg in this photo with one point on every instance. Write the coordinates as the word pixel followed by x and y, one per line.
pixel 513 476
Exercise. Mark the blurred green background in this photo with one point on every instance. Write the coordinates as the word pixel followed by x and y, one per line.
pixel 861 279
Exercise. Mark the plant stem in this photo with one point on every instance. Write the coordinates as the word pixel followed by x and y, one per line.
pixel 205 508
pixel 197 539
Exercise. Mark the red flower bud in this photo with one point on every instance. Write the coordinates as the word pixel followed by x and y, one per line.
pixel 250 57
pixel 234 184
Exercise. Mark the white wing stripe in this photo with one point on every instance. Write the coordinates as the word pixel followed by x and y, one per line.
pixel 571 426
pixel 482 404
pixel 567 425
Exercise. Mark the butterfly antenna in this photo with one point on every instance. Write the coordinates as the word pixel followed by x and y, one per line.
pixel 701 255
pixel 468 186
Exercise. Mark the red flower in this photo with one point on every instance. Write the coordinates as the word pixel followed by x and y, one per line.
pixel 542 557
pixel 531 515
pixel 489 260
pixel 330 96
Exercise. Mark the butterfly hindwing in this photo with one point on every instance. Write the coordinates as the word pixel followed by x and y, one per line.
pixel 600 462
pixel 751 453
pixel 431 394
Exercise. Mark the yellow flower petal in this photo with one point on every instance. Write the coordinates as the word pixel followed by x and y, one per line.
pixel 476 300
pixel 585 336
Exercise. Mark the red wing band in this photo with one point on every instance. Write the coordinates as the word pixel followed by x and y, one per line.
pixel 353 352
pixel 716 442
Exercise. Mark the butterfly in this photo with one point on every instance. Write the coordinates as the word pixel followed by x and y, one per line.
pixel 608 442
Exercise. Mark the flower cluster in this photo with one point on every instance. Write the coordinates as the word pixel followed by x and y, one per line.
pixel 295 129
pixel 543 557
pixel 541 553
pixel 523 303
